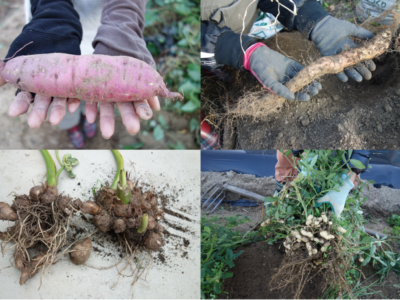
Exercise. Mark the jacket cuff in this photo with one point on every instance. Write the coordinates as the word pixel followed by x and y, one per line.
pixel 308 16
pixel 43 43
pixel 228 50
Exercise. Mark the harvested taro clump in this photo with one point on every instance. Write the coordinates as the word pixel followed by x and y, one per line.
pixel 137 221
pixel 42 220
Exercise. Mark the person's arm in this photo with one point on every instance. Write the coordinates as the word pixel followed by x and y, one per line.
pixel 121 30
pixel 55 27
pixel 222 46
pixel 121 33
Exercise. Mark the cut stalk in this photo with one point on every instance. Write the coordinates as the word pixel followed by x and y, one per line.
pixel 119 184
pixel 143 226
pixel 52 174
pixel 120 165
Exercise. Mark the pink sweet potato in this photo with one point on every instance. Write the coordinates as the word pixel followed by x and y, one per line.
pixel 96 78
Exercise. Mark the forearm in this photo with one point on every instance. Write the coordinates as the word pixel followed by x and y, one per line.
pixel 121 30
pixel 55 27
pixel 221 46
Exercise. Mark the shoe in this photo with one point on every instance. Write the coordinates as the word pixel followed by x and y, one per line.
pixel 76 137
pixel 89 129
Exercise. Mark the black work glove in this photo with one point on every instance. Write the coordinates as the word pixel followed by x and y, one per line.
pixel 332 36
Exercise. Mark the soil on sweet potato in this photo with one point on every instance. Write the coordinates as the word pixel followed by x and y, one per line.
pixel 349 115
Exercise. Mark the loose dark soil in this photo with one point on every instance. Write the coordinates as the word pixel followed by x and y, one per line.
pixel 348 115
pixel 254 270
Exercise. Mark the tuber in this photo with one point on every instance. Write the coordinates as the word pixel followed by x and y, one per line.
pixel 89 207
pixel 81 251
pixel 95 78
pixel 103 221
pixel 7 213
pixel 153 241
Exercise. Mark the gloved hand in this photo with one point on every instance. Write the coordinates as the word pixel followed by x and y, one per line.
pixel 335 199
pixel 332 36
pixel 273 70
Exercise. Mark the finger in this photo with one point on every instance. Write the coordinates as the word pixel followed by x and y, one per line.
pixel 129 117
pixel 353 74
pixel 21 104
pixel 91 111
pixel 154 103
pixel 302 97
pixel 370 65
pixel 142 109
pixel 2 81
pixel 342 77
pixel 317 85
pixel 107 121
pixel 282 91
pixel 73 104
pixel 361 33
pixel 57 111
pixel 310 90
pixel 39 111
pixel 363 71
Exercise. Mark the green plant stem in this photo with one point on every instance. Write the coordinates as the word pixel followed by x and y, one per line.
pixel 59 160
pixel 299 197
pixel 143 226
pixel 52 174
pixel 120 166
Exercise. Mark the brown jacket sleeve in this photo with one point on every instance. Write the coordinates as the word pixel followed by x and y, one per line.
pixel 121 30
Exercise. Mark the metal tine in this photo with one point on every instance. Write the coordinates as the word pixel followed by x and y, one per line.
pixel 215 207
pixel 210 196
pixel 216 198
pixel 209 190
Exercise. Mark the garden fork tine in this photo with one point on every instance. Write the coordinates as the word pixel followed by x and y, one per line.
pixel 209 190
pixel 210 196
pixel 215 199
pixel 215 207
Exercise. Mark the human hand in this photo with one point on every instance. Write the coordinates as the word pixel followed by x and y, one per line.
pixel 337 199
pixel 273 70
pixel 332 36
pixel 130 113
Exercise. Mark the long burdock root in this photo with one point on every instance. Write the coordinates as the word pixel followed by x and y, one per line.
pixel 136 221
pixel 269 103
pixel 42 222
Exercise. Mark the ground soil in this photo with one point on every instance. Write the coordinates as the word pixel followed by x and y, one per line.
pixel 251 282
pixel 16 134
pixel 348 115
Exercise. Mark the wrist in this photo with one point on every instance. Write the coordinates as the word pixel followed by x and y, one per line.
pixel 229 51
pixel 308 16
pixel 249 52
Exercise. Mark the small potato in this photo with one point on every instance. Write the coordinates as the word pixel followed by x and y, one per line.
pixel 89 207
pixel 81 251
pixel 103 221
pixel 153 242
pixel 124 210
pixel 7 213
pixel 36 191
pixel 151 223
pixel 119 226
